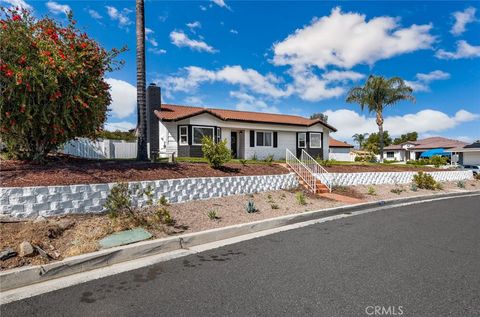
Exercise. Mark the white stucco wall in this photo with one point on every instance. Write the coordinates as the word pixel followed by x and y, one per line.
pixel 340 154
pixel 24 202
pixel 471 158
pixel 286 135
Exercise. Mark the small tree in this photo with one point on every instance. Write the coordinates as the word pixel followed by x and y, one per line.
pixel 216 154
pixel 52 84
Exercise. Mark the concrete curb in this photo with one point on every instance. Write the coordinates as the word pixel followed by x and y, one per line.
pixel 20 277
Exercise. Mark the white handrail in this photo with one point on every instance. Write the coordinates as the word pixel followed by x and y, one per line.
pixel 301 170
pixel 317 169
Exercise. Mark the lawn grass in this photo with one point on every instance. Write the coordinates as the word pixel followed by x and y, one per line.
pixel 234 161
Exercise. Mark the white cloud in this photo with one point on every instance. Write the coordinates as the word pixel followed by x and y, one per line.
pixel 149 37
pixel 235 75
pixel 423 80
pixel 347 39
pixel 122 126
pixel 193 101
pixel 57 8
pixel 157 51
pixel 94 14
pixel 203 8
pixel 18 4
pixel 248 102
pixel 180 39
pixel 120 16
pixel 311 88
pixel 349 122
pixel 462 18
pixel 233 31
pixel 464 50
pixel 124 98
pixel 221 3
pixel 194 25
pixel 342 76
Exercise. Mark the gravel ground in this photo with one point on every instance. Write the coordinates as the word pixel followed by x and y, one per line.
pixel 382 192
pixel 83 232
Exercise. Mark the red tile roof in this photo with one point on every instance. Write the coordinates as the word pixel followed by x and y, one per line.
pixel 335 143
pixel 175 112
pixel 429 143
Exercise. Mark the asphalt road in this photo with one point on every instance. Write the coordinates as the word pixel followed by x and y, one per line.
pixel 420 260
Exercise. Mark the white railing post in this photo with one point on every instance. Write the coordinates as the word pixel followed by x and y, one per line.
pixel 317 169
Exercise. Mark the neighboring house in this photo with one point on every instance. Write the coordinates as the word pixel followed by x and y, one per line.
pixel 412 150
pixel 340 151
pixel 248 134
pixel 468 154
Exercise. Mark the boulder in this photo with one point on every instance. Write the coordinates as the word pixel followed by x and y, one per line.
pixel 25 249
pixel 7 254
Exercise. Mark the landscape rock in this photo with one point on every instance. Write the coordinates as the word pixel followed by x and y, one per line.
pixel 39 219
pixel 25 249
pixel 7 254
pixel 42 252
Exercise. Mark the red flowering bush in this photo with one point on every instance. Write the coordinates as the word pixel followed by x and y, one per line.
pixel 52 84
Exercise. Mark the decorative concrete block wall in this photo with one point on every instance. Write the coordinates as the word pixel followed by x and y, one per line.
pixel 59 200
pixel 372 178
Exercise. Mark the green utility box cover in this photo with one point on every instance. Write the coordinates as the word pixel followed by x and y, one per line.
pixel 125 237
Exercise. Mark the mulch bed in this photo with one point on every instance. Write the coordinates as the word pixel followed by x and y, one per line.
pixel 378 168
pixel 68 171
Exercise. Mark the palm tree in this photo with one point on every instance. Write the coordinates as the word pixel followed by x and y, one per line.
pixel 378 93
pixel 359 138
pixel 142 152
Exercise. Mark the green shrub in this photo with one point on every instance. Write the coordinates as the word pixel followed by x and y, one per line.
pixel 217 154
pixel 163 215
pixel 300 196
pixel 438 160
pixel 397 190
pixel 424 181
pixel 250 207
pixel 389 161
pixel 371 190
pixel 461 184
pixel 326 163
pixel 413 187
pixel 438 186
pixel 274 206
pixel 269 160
pixel 243 162
pixel 163 201
pixel 212 215
pixel 120 199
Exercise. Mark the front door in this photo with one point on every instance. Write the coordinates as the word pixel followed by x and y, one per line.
pixel 233 144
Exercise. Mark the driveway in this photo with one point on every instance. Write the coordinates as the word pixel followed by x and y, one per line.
pixel 419 260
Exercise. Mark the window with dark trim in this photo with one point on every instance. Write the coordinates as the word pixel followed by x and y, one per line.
pixel 264 138
pixel 390 154
pixel 183 131
pixel 302 140
pixel 200 132
pixel 315 140
pixel 219 135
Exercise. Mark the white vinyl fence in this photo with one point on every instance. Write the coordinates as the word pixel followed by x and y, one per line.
pixel 100 149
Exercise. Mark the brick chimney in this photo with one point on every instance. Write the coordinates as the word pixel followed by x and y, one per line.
pixel 153 103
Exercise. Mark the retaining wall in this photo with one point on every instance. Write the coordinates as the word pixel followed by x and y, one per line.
pixel 59 200
pixel 372 178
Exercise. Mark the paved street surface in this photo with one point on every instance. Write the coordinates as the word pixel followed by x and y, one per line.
pixel 420 260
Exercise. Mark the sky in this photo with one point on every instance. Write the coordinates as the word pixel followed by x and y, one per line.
pixel 295 57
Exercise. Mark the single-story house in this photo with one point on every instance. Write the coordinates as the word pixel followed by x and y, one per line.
pixel 340 151
pixel 178 130
pixel 412 150
pixel 468 154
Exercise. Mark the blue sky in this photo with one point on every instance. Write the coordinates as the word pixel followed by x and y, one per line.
pixel 296 57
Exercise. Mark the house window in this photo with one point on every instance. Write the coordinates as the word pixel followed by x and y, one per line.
pixel 200 132
pixel 183 135
pixel 219 135
pixel 390 155
pixel 315 140
pixel 302 140
pixel 264 138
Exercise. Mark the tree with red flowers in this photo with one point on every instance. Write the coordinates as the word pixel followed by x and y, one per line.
pixel 52 84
